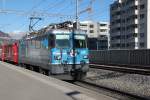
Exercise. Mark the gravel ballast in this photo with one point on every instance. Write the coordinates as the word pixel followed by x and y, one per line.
pixel 129 83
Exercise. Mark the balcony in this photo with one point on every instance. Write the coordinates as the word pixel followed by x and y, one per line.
pixel 133 40
pixel 116 17
pixel 133 3
pixel 116 41
pixel 115 33
pixel 116 10
pixel 134 30
pixel 132 22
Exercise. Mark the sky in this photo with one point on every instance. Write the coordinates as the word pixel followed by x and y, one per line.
pixel 51 11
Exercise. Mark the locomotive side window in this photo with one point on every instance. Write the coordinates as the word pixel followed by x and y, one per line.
pixel 51 40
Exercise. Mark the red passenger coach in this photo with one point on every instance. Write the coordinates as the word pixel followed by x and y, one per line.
pixel 0 52
pixel 15 52
pixel 10 52
pixel 3 53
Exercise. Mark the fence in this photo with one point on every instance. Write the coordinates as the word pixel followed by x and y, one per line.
pixel 123 57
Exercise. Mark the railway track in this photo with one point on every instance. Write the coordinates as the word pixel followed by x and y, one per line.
pixel 108 91
pixel 124 69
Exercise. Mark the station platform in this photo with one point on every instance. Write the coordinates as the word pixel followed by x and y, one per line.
pixel 17 83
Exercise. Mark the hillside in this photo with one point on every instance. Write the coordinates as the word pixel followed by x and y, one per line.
pixel 2 34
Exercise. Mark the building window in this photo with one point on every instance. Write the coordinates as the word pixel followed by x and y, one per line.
pixel 84 25
pixel 123 45
pixel 117 45
pixel 103 30
pixel 142 26
pixel 91 26
pixel 123 21
pixel 142 16
pixel 142 6
pixel 85 31
pixel 91 31
pixel 127 44
pixel 141 34
pixel 103 24
pixel 135 34
pixel 142 44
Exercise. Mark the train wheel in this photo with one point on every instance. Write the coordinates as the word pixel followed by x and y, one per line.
pixel 31 68
pixel 42 71
pixel 24 66
pixel 20 65
pixel 49 73
pixel 79 75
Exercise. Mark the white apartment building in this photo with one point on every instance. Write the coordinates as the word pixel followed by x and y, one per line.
pixel 98 34
pixel 130 24
pixel 95 29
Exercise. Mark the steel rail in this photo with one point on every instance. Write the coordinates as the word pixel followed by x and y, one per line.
pixel 124 69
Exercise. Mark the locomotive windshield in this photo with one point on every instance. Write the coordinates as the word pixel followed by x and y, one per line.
pixel 80 41
pixel 62 41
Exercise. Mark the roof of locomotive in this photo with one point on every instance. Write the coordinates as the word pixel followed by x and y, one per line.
pixel 58 31
pixel 55 31
pixel 64 31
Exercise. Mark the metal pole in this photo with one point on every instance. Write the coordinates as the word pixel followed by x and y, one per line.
pixel 97 44
pixel 77 16
pixel 73 44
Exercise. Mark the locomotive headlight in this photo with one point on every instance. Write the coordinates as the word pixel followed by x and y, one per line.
pixel 85 57
pixel 57 57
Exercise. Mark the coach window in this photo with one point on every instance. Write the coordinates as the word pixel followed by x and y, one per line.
pixel 27 43
pixel 33 43
pixel 44 42
pixel 41 38
pixel 30 43
pixel 37 43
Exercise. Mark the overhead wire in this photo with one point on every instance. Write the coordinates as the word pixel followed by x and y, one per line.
pixel 64 8
pixel 28 12
pixel 36 5
pixel 55 5
pixel 97 13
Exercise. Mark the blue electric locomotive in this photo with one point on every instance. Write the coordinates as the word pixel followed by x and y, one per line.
pixel 53 52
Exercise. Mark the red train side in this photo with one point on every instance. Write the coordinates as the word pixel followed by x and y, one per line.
pixel 3 53
pixel 10 52
pixel 0 52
